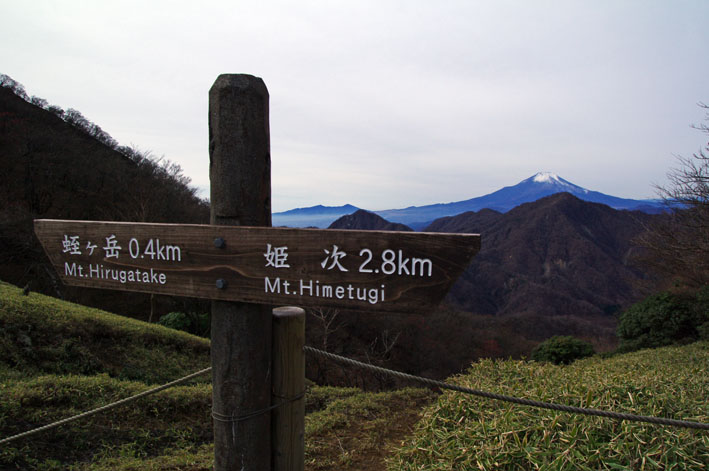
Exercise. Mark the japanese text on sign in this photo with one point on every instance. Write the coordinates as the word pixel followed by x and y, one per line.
pixel 372 270
pixel 389 262
pixel 153 250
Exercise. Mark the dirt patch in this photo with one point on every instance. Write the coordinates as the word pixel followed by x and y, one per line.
pixel 364 436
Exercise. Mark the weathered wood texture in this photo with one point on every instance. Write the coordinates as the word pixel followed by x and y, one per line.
pixel 391 266
pixel 239 151
pixel 288 418
pixel 240 178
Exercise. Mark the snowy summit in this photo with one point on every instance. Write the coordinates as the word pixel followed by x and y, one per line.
pixel 546 177
pixel 554 179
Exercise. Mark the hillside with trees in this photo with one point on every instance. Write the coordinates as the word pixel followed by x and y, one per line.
pixel 56 164
pixel 677 245
pixel 558 256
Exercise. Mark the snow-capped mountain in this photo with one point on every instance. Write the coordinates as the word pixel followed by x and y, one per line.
pixel 533 188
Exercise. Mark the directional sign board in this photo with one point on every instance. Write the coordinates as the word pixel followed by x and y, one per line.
pixel 372 270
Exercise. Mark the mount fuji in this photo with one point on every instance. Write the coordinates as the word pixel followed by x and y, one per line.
pixel 533 188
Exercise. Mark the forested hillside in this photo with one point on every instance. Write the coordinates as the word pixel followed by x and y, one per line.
pixel 362 219
pixel 56 164
pixel 558 256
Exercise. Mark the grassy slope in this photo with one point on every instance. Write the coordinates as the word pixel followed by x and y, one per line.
pixel 464 432
pixel 58 359
pixel 43 335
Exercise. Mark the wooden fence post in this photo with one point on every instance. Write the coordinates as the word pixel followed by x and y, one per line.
pixel 240 176
pixel 288 419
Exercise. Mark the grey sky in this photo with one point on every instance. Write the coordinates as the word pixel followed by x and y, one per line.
pixel 386 104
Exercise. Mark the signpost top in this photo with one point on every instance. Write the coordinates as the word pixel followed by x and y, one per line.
pixel 372 270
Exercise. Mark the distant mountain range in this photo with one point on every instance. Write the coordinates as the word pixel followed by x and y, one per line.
pixel 314 216
pixel 417 217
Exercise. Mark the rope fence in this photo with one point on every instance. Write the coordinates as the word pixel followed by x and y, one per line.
pixel 107 407
pixel 378 369
pixel 512 399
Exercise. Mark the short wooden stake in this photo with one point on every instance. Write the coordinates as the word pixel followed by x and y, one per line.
pixel 288 417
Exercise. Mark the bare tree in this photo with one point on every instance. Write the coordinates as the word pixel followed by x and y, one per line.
pixel 677 245
pixel 327 319
pixel 328 323
pixel 379 353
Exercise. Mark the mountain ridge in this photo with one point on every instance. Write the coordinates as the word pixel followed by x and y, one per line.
pixel 559 256
pixel 532 189
pixel 363 219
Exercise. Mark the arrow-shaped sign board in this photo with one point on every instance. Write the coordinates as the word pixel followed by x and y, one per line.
pixel 372 270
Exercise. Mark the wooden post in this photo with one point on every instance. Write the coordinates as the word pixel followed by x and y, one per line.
pixel 240 176
pixel 288 419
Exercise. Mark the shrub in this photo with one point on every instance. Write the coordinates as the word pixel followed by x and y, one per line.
pixel 562 349
pixel 191 322
pixel 663 319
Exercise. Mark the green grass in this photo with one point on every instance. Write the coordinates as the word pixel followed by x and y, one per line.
pixel 178 417
pixel 44 335
pixel 464 432
pixel 58 359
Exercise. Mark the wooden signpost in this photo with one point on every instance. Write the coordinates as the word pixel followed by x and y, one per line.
pixel 244 266
pixel 371 270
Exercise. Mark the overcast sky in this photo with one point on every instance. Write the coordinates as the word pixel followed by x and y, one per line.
pixel 386 104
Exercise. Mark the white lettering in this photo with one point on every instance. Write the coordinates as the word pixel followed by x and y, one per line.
pixel 403 264
pixel 362 294
pixel 122 276
pixel 69 270
pixel 275 287
pixel 303 287
pixel 313 289
pixel 373 295
pixel 422 263
pixel 276 257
